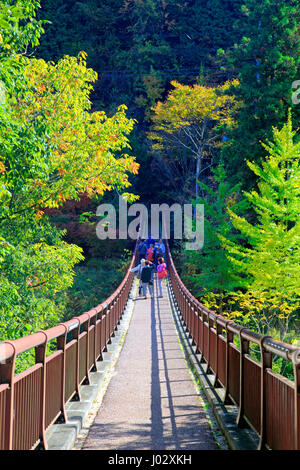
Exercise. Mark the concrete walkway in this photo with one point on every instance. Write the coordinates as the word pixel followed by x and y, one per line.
pixel 151 402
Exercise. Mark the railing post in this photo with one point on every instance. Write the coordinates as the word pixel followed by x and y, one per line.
pixel 202 336
pixel 93 322
pixel 296 367
pixel 101 339
pixel 229 340
pixel 244 349
pixel 183 310
pixel 85 324
pixel 61 345
pixel 119 312
pixel 219 329
pixel 209 324
pixel 232 379
pixel 179 299
pixel 87 329
pixel 40 357
pixel 111 320
pixel 75 335
pixel 105 320
pixel 266 363
pixel 116 313
pixel 194 324
pixel 197 316
pixel 7 374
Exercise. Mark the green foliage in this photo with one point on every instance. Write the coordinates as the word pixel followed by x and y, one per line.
pixel 19 26
pixel 137 48
pixel 133 39
pixel 93 283
pixel 188 124
pixel 57 148
pixel 52 149
pixel 272 257
pixel 266 62
pixel 248 269
pixel 35 265
pixel 214 276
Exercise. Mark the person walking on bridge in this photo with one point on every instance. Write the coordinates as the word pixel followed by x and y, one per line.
pixel 138 270
pixel 162 246
pixel 150 254
pixel 158 253
pixel 162 273
pixel 146 277
pixel 150 241
pixel 141 250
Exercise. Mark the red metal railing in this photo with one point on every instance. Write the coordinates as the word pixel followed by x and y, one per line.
pixel 31 401
pixel 267 401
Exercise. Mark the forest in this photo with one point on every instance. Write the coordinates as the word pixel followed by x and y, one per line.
pixel 160 101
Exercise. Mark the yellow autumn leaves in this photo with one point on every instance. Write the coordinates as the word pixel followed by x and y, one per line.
pixel 187 105
pixel 87 148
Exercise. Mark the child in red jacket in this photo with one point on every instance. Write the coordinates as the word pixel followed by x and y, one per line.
pixel 162 273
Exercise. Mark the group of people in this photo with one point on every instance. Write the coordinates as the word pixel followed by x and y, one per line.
pixel 150 250
pixel 150 260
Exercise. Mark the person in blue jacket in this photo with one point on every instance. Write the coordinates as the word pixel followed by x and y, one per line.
pixel 141 251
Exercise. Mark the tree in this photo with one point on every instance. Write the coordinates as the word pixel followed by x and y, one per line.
pixel 137 48
pixel 189 120
pixel 214 276
pixel 124 39
pixel 66 148
pixel 52 148
pixel 266 62
pixel 272 257
pixel 19 27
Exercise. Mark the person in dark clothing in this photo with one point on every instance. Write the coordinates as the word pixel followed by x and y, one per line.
pixel 150 241
pixel 158 253
pixel 141 251
pixel 146 278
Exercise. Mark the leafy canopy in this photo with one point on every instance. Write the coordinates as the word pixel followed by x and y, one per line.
pixel 188 106
pixel 53 148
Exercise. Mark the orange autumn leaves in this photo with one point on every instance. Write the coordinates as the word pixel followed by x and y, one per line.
pixel 84 150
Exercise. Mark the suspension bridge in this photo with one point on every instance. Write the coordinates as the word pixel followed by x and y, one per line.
pixel 152 400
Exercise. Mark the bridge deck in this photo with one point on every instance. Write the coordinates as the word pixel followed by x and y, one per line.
pixel 151 402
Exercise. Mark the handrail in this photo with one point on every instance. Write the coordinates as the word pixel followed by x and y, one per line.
pixel 258 401
pixel 54 380
pixel 284 350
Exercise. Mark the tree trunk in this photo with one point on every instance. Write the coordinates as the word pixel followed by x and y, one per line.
pixel 198 169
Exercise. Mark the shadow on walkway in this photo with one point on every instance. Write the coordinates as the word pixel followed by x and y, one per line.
pixel 151 402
